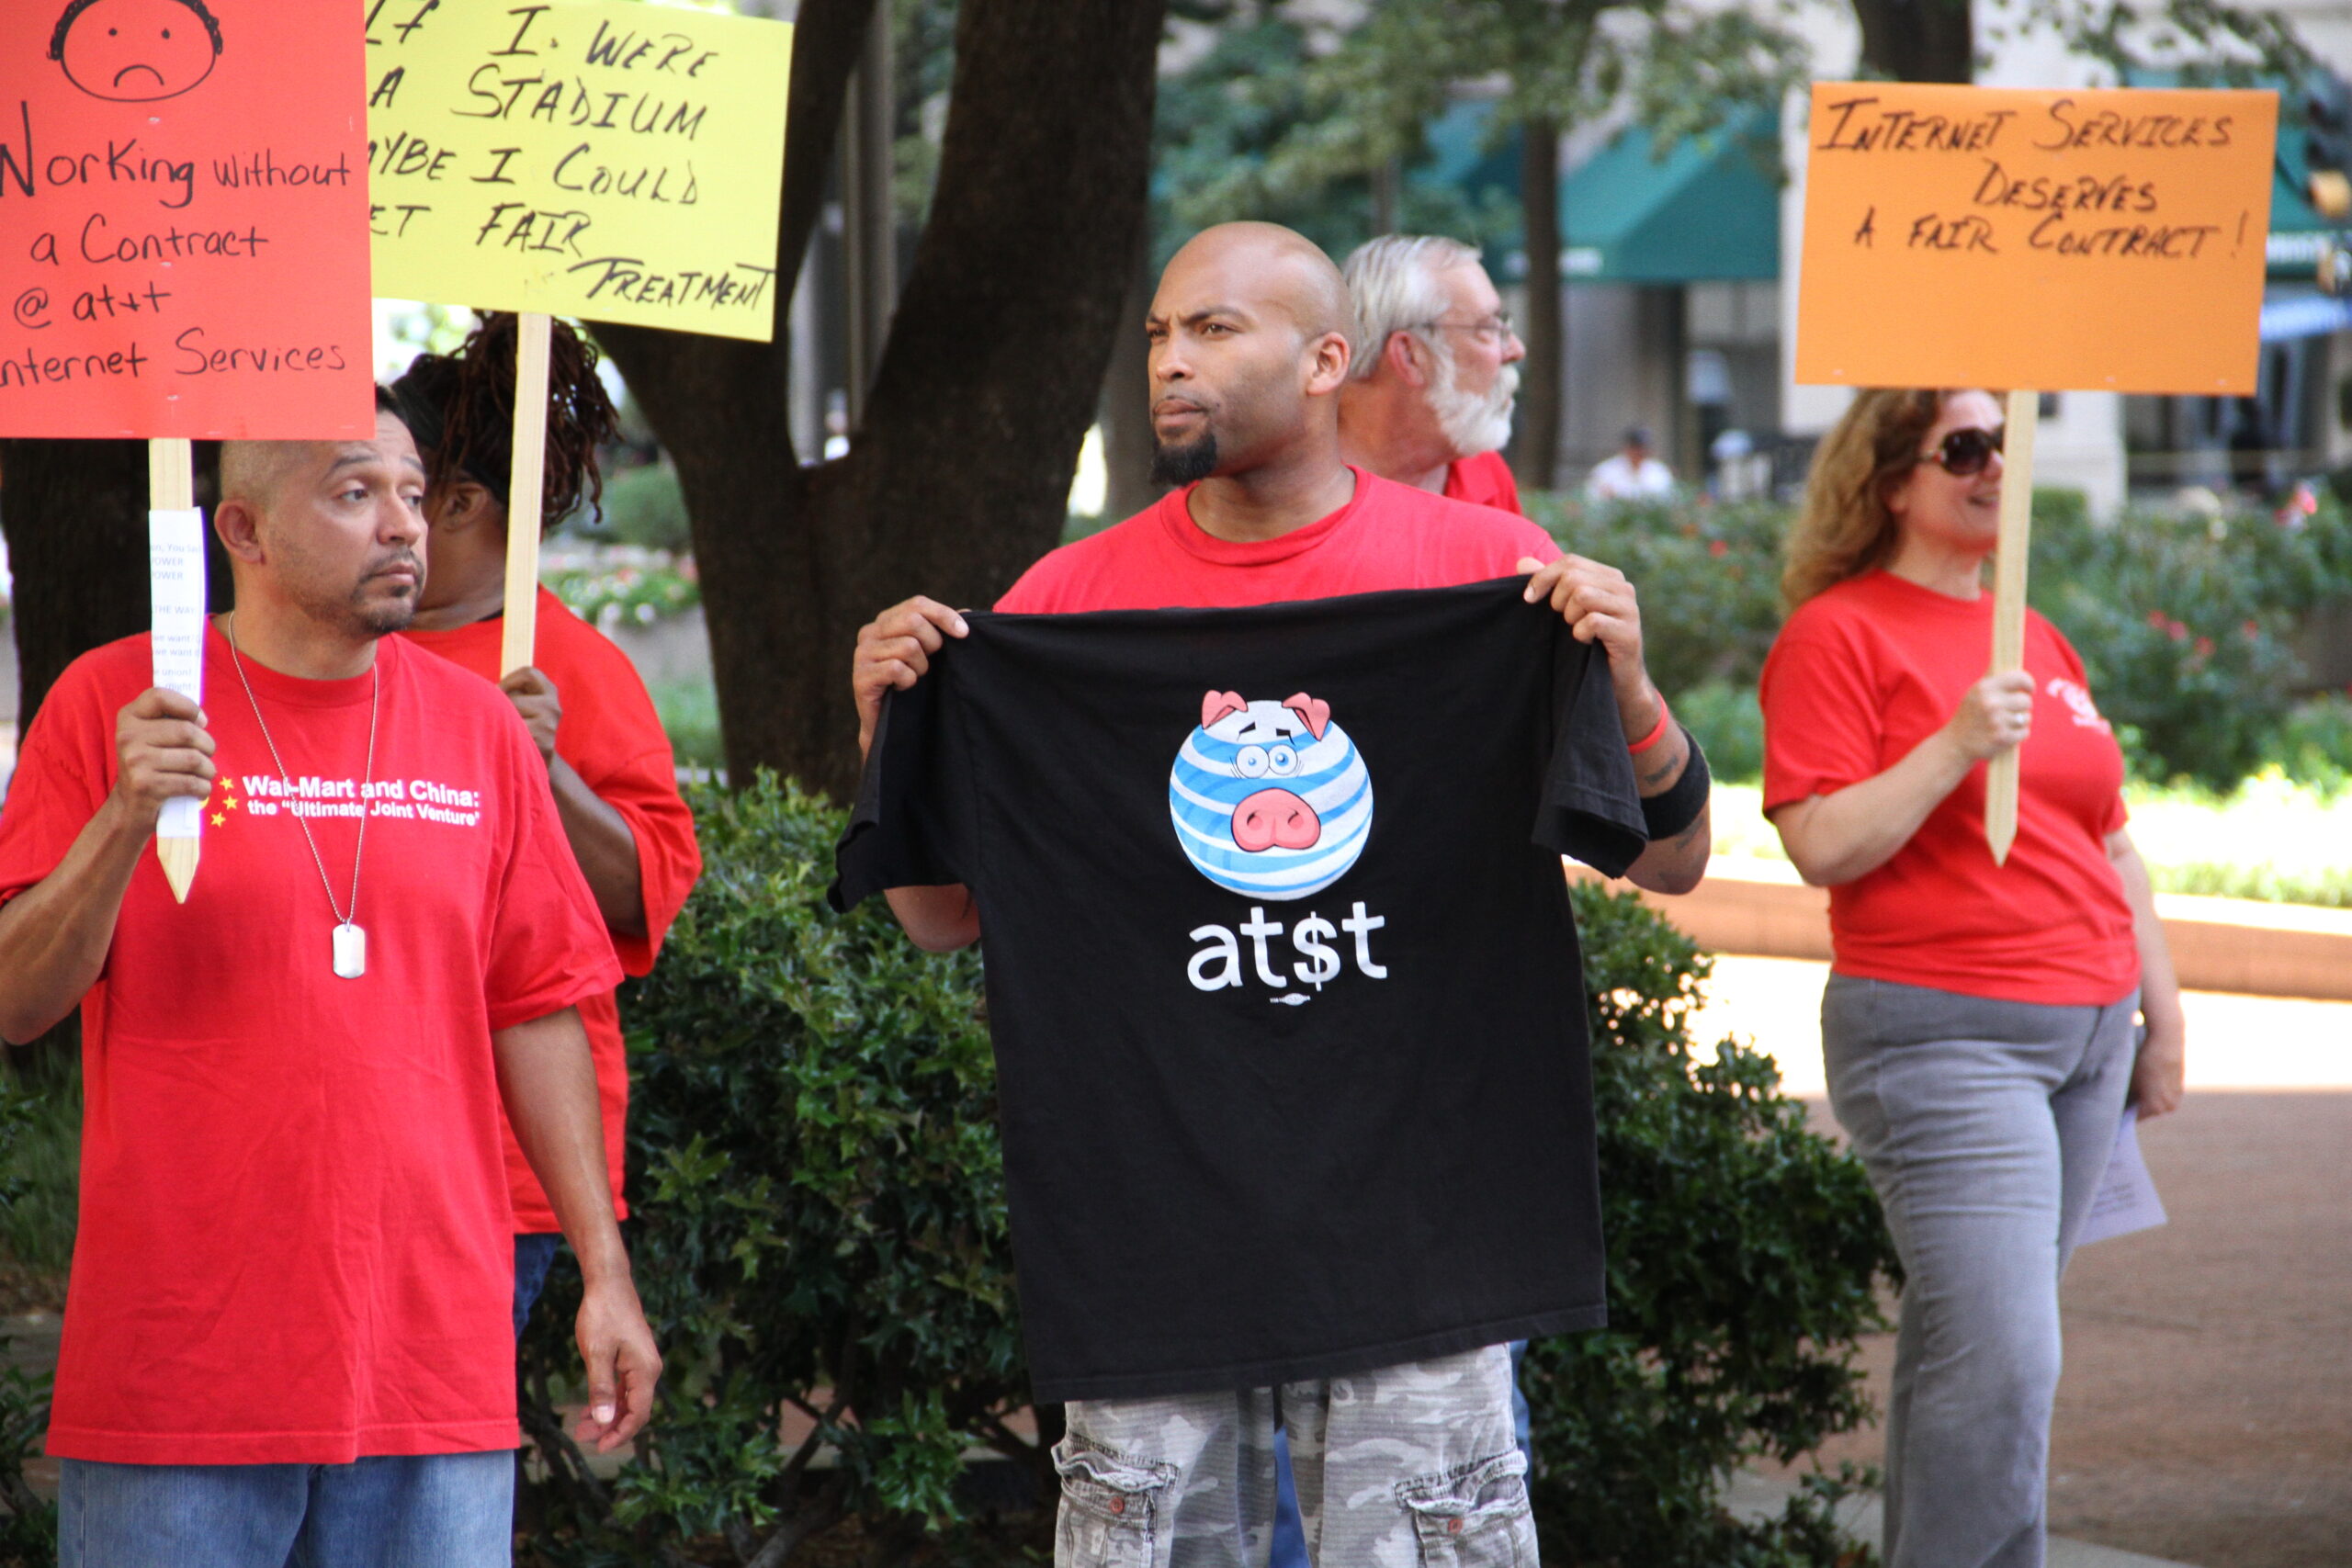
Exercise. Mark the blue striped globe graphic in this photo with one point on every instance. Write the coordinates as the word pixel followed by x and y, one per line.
pixel 1240 764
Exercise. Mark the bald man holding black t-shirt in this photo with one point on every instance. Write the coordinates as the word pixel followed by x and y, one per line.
pixel 1248 335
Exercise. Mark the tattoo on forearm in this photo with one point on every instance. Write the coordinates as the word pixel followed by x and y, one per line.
pixel 1657 779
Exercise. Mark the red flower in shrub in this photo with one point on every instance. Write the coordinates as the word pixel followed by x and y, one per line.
pixel 2157 619
pixel 2204 648
pixel 1717 548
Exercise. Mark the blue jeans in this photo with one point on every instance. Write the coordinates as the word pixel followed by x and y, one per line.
pixel 1290 1526
pixel 534 1256
pixel 385 1511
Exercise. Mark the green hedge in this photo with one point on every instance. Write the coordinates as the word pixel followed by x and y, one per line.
pixel 2184 620
pixel 819 1226
pixel 27 1521
pixel 1745 1253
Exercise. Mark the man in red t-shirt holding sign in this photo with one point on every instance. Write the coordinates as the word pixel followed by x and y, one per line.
pixel 287 1333
pixel 1434 369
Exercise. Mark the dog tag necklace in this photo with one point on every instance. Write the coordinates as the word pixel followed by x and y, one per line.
pixel 350 951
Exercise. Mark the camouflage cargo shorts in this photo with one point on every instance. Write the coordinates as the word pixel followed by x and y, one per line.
pixel 1413 1466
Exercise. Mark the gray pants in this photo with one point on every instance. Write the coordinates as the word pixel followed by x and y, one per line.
pixel 1406 1466
pixel 1986 1126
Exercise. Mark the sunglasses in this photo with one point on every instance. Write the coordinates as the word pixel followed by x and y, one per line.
pixel 1964 453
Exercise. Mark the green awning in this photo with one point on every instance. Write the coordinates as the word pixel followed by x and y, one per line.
pixel 1708 210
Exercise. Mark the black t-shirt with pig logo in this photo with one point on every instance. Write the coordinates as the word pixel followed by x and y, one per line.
pixel 1288 1012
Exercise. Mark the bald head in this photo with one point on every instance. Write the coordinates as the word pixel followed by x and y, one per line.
pixel 1249 337
pixel 328 534
pixel 1267 266
pixel 252 471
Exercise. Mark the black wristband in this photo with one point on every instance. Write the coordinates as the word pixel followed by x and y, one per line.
pixel 1664 815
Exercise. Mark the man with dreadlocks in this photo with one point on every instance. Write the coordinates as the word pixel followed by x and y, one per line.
pixel 608 760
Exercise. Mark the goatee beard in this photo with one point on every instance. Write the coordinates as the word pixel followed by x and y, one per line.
pixel 1184 465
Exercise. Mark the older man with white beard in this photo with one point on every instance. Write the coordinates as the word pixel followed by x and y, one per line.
pixel 1429 397
pixel 1427 404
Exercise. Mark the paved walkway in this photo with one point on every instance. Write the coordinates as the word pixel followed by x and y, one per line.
pixel 2206 1413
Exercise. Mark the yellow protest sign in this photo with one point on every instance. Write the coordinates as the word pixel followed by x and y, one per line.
pixel 606 159
pixel 1960 236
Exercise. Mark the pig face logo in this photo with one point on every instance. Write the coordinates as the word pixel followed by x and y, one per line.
pixel 1270 799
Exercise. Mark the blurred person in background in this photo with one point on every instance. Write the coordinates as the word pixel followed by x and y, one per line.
pixel 608 758
pixel 1435 373
pixel 1978 1026
pixel 1630 473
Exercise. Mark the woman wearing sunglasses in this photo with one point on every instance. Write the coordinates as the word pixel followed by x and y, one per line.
pixel 1978 1025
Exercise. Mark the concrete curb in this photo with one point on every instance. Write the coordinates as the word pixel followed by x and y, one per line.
pixel 1762 907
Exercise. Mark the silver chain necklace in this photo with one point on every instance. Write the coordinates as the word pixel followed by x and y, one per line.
pixel 350 941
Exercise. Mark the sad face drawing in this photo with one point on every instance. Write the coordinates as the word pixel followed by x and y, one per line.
pixel 135 52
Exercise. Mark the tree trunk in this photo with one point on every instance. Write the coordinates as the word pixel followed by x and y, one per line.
pixel 1919 41
pixel 957 477
pixel 1126 411
pixel 75 515
pixel 1541 378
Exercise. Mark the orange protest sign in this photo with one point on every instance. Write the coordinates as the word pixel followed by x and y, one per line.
pixel 1990 237
pixel 184 219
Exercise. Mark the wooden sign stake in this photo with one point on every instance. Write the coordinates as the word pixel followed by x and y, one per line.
pixel 171 487
pixel 524 491
pixel 2009 605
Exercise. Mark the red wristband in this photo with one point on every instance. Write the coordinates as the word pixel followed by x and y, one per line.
pixel 1658 732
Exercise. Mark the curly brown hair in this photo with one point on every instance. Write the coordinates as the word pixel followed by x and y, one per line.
pixel 1844 528
pixel 460 408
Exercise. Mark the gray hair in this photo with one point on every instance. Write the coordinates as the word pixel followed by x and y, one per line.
pixel 1393 282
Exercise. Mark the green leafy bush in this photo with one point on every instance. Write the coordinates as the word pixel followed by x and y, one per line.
pixel 614 587
pixel 1729 723
pixel 819 1219
pixel 1708 576
pixel 1745 1253
pixel 819 1228
pixel 27 1521
pixel 2314 745
pixel 689 713
pixel 645 506
pixel 41 1170
pixel 2183 623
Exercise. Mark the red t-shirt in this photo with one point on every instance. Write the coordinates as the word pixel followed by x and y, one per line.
pixel 614 741
pixel 1483 480
pixel 295 1243
pixel 1388 535
pixel 1860 675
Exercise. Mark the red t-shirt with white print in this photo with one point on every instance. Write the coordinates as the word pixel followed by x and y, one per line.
pixel 1862 674
pixel 294 1244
